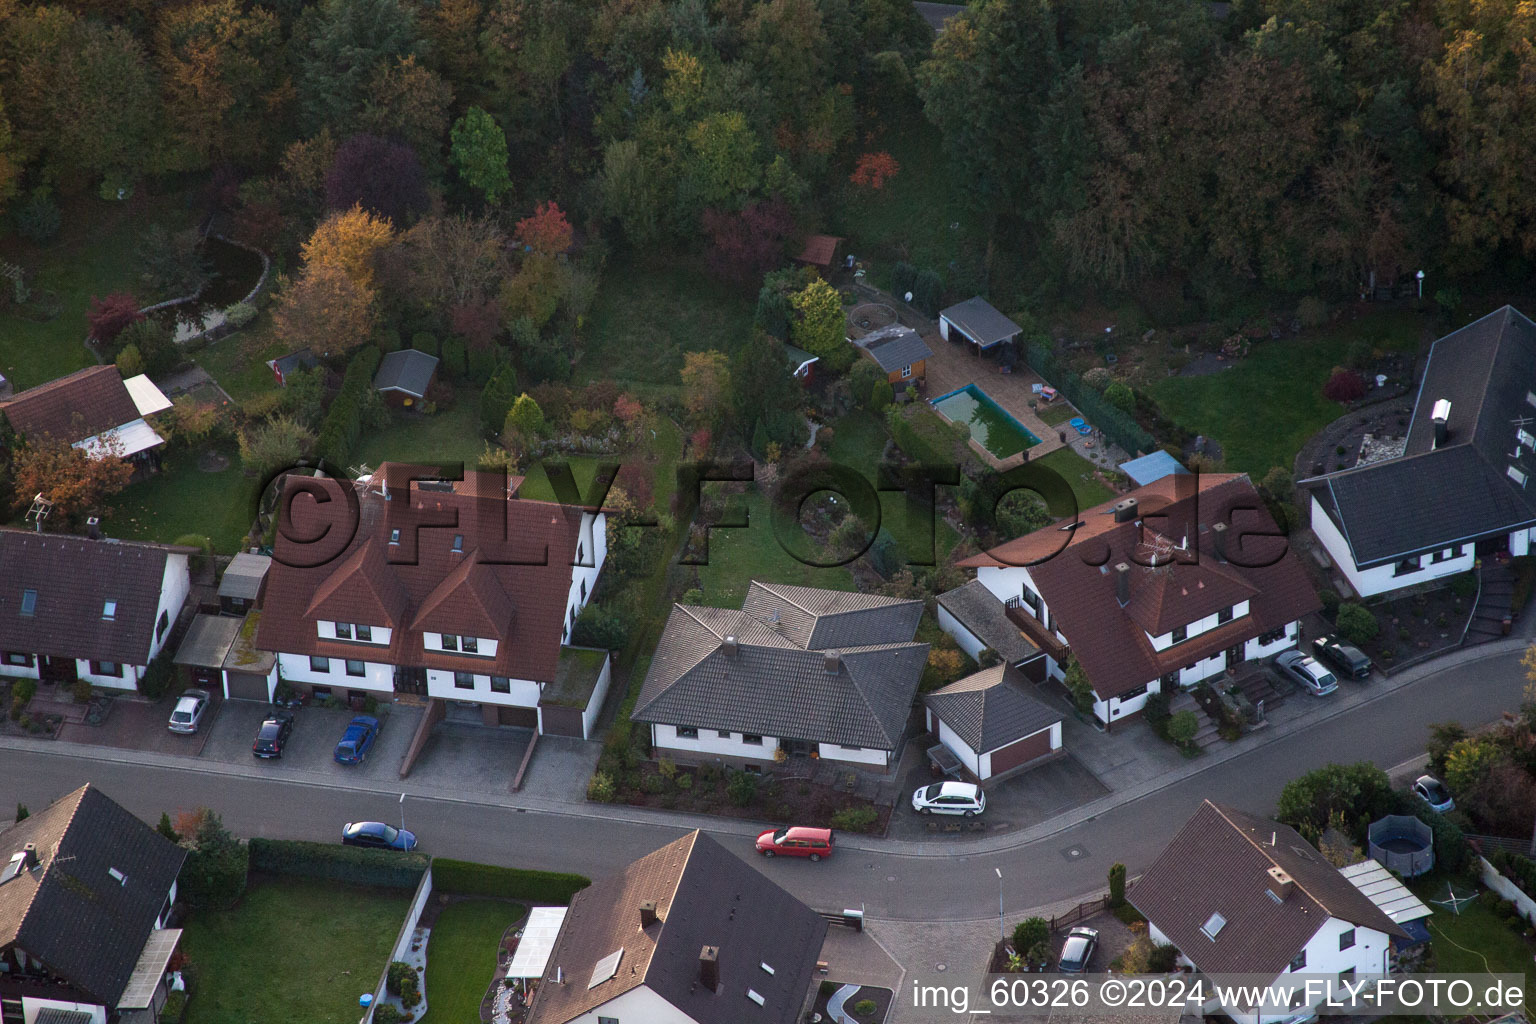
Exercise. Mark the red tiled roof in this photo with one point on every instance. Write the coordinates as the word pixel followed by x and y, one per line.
pixel 72 408
pixel 820 250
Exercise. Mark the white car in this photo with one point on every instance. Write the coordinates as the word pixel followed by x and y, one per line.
pixel 1313 677
pixel 190 707
pixel 950 798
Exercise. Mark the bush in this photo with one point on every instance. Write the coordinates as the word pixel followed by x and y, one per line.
pixel 600 788
pixel 481 364
pixel 1464 584
pixel 176 1006
pixel 1116 885
pixel 38 218
pixel 924 437
pixel 865 1007
pixel 347 864
pixel 741 788
pixel 1312 311
pixel 240 315
pixel 455 357
pixel 129 362
pixel 1331 601
pixel 496 400
pixel 22 692
pixel 1029 933
pixel 343 423
pixel 1182 727
pixel 465 878
pixel 217 865
pixel 597 626
pixel 927 292
pixel 1156 712
pixel 1120 395
pixel 385 1013
pixel 1344 386
pixel 158 676
pixel 1356 624
pixel 81 691
pixel 396 976
pixel 855 819
pixel 903 277
pixel 422 341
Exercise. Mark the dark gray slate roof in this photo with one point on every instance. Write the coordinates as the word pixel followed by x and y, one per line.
pixel 895 346
pixel 302 359
pixel 70 912
pixel 981 321
pixel 777 682
pixel 1431 498
pixel 243 577
pixel 979 611
pixel 405 370
pixel 991 708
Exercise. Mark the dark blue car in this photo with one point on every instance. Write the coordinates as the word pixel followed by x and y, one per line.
pixel 378 836
pixel 357 740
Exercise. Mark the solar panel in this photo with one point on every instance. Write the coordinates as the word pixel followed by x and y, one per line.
pixel 606 968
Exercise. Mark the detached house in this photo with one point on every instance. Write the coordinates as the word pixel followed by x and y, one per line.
pixel 94 409
pixel 80 608
pixel 686 935
pixel 1176 582
pixel 451 590
pixel 1461 486
pixel 1239 894
pixel 807 671
pixel 86 891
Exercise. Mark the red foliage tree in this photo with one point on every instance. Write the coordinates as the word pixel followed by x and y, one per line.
pixel 628 408
pixel 874 169
pixel 385 177
pixel 477 322
pixel 110 315
pixel 1344 386
pixel 546 232
pixel 748 243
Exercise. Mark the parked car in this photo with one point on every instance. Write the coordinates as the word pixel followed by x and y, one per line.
pixel 1312 677
pixel 1347 658
pixel 1078 950
pixel 950 798
pixel 797 841
pixel 190 708
pixel 272 737
pixel 378 836
pixel 1433 792
pixel 357 740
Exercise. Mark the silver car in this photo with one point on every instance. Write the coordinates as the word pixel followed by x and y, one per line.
pixel 1433 792
pixel 1312 677
pixel 190 707
pixel 1077 951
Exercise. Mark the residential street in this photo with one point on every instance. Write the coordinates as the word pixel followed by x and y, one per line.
pixel 925 884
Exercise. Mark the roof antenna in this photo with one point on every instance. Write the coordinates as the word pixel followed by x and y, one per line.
pixel 41 506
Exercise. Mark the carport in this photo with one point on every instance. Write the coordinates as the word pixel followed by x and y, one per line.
pixel 217 654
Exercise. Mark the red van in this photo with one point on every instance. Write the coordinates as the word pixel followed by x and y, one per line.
pixel 814 843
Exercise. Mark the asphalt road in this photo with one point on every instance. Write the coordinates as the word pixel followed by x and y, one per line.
pixel 892 886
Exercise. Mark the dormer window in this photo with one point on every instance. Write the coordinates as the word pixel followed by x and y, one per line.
pixel 109 610
pixel 394 536
pixel 365 634
pixel 458 543
pixel 29 602
pixel 343 631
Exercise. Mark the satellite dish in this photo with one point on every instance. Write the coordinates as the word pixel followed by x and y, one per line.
pixel 909 296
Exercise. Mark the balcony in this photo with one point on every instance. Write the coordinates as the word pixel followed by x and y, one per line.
pixel 1030 626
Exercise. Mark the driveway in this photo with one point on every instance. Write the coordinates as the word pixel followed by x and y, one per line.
pixel 1019 802
pixel 472 758
pixel 140 725
pixel 312 745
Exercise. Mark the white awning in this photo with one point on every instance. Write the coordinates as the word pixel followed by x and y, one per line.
pixel 537 943
pixel 134 437
pixel 150 969
pixel 146 397
pixel 1385 890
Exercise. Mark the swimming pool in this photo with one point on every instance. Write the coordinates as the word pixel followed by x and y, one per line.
pixel 991 426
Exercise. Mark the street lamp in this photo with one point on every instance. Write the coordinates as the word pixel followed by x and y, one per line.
pixel 1000 933
pixel 402 812
pixel 1420 276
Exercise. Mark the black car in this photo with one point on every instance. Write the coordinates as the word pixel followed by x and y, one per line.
pixel 1350 661
pixel 272 737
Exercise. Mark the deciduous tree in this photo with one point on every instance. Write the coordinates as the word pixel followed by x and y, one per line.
pixel 383 177
pixel 108 316
pixel 746 244
pixel 75 482
pixel 546 232
pixel 349 241
pixel 325 310
pixel 480 154
pixel 408 102
pixel 819 325
pixel 706 379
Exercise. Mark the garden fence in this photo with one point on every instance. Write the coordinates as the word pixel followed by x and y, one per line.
pixel 1119 426
pixel 402 941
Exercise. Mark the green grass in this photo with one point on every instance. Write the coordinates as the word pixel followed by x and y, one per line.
pixel 1056 412
pixel 738 556
pixel 858 439
pixel 461 957
pixel 648 315
pixel 293 952
pixel 667 447
pixel 450 435
pixel 239 362
pixel 1477 942
pixel 182 499
pixel 1077 471
pixel 1265 408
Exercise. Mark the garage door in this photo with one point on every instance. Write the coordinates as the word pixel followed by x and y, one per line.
pixel 526 718
pixel 247 686
pixel 1026 749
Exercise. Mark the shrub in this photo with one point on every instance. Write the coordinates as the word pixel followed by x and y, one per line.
pixel 175 1008
pixel 1030 932
pixel 1344 386
pixel 464 878
pixel 1182 727
pixel 1120 395
pixel 927 292
pixel 1116 424
pixel 387 340
pixel 881 396
pixel 38 218
pixel 240 315
pixel 903 277
pixel 129 362
pixel 865 1007
pixel 385 1013
pixel 1464 584
pixel 22 692
pixel 1116 885
pixel 455 357
pixel 108 316
pixel 1100 378
pixel 741 788
pixel 1156 712
pixel 1312 311
pixel 855 819
pixel 1356 624
pixel 1331 601
pixel 423 341
pixel 600 788
pixel 597 626
pixel 217 865
pixel 395 977
pixel 496 400
pixel 158 676
pixel 348 864
pixel 343 423
pixel 81 691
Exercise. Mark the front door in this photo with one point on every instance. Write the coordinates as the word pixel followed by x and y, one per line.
pixel 1234 656
pixel 411 680
pixel 57 670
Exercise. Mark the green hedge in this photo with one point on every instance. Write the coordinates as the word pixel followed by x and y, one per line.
pixel 350 864
pixel 1117 425
pixel 925 437
pixel 465 878
pixel 343 422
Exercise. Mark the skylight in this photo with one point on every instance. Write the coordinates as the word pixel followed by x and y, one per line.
pixel 606 968
pixel 118 876
pixel 109 610
pixel 1517 476
pixel 458 542
pixel 1213 924
pixel 765 967
pixel 29 602
pixel 753 995
pixel 13 867
pixel 394 536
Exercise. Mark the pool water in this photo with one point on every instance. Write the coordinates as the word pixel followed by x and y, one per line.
pixel 995 430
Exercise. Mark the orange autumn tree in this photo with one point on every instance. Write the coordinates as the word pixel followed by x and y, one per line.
pixel 68 477
pixel 873 170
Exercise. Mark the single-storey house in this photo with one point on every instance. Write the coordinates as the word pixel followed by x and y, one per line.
pixel 78 608
pixel 821 252
pixel 977 620
pixel 282 366
pixel 1461 487
pixel 404 376
pixel 993 723
pixel 1150 468
pixel 811 672
pixel 95 410
pixel 244 580
pixel 218 654
pixel 689 934
pixel 1171 584
pixel 898 350
pixel 977 321
pixel 1239 894
pixel 85 896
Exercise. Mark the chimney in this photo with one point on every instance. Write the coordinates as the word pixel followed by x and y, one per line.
pixel 1122 583
pixel 1125 511
pixel 730 647
pixel 832 662
pixel 1280 884
pixel 93 528
pixel 29 856
pixel 647 913
pixel 1442 417
pixel 709 967
pixel 1219 541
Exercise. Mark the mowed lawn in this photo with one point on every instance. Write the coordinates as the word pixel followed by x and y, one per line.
pixel 181 499
pixel 449 435
pixel 922 537
pixel 461 957
pixel 239 362
pixel 293 952
pixel 1262 410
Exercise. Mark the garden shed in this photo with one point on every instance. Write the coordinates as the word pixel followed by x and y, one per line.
pixel 404 376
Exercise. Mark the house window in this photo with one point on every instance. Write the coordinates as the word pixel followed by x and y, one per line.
pixel 365 634
pixel 29 602
pixel 343 631
pixel 1346 939
pixel 1406 566
pixel 1133 694
pixel 724 734
pixel 1030 600
pixel 458 542
pixel 109 610
pixel 318 664
pixel 1274 636
pixel 1516 475
pixel 1299 961
pixel 687 732
pixel 583 590
pixel 111 668
pixel 162 625
pixel 1181 634
pixel 501 684
pixel 464 680
pixel 1225 615
pixel 607 1020
pixel 450 642
pixel 471 645
pixel 906 371
pixel 355 668
pixel 320 692
pixel 23 660
pixel 750 740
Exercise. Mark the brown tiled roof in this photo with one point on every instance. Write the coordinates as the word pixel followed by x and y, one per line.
pixel 361 577
pixel 705 896
pixel 1074 572
pixel 70 912
pixel 819 250
pixel 72 408
pixel 1219 864
pixel 74 577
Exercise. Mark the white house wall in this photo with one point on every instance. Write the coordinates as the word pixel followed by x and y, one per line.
pixel 712 744
pixel 175 585
pixel 959 748
pixel 21 671
pixel 524 692
pixel 126 679
pixel 377 677
pixel 640 1005
pixel 599 695
pixel 1194 629
pixel 969 642
pixel 594 547
pixel 853 755
pixel 1253 650
pixel 1382 579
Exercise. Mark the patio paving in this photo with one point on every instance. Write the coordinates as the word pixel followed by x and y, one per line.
pixel 953 365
